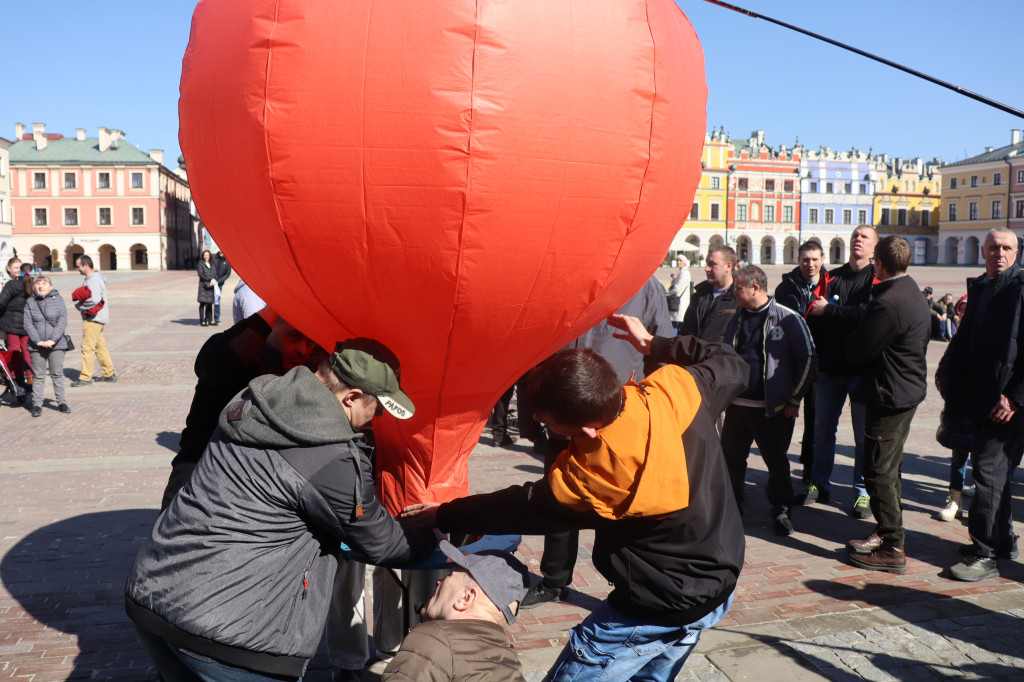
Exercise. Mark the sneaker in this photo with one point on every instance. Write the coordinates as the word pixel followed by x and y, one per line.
pixel 1004 552
pixel 78 382
pixel 811 494
pixel 539 594
pixel 37 412
pixel 974 568
pixel 952 509
pixel 783 524
pixel 111 379
pixel 862 507
pixel 63 407
pixel 887 558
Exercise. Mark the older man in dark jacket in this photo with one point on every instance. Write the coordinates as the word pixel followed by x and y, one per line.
pixel 890 346
pixel 983 381
pixel 713 303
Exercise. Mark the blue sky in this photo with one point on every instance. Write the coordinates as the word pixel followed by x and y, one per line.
pixel 116 63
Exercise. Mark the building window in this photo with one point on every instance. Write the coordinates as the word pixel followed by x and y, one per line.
pixel 972 210
pixel 847 216
pixel 974 181
pixel 1019 210
pixel 1020 176
pixel 952 213
pixel 70 181
pixel 812 215
pixel 814 187
pixel 742 183
pixel 141 257
pixel 694 212
pixel 926 217
pixel 40 217
pixel 103 181
pixel 952 183
pixel 104 215
pixel 862 217
pixel 716 182
pixel 787 185
pixel 769 185
pixel 997 209
pixel 39 180
pixel 830 216
pixel 787 214
pixel 828 188
pixel 714 211
pixel 71 217
pixel 901 216
pixel 848 188
pixel 769 214
pixel 138 216
pixel 885 217
pixel 741 212
pixel 136 180
pixel 863 189
pixel 997 178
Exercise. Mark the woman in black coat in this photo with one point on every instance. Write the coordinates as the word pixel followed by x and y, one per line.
pixel 12 320
pixel 207 278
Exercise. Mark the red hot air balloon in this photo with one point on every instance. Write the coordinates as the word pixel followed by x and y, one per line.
pixel 472 183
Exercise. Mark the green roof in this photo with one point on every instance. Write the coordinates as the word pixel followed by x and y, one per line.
pixel 72 150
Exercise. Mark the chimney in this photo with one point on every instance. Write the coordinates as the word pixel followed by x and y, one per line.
pixel 989 149
pixel 19 131
pixel 39 135
pixel 157 155
pixel 1014 136
pixel 104 139
pixel 80 134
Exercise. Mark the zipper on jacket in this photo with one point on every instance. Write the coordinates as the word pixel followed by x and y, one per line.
pixel 305 592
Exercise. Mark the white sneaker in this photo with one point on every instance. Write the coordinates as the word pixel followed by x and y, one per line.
pixel 952 508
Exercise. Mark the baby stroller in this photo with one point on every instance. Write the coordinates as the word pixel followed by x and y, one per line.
pixel 13 390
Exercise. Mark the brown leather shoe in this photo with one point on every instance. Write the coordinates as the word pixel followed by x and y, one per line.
pixel 865 546
pixel 888 558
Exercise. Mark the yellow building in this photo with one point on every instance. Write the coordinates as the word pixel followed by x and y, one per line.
pixel 706 223
pixel 907 202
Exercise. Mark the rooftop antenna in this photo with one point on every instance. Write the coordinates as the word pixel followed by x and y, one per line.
pixel 955 88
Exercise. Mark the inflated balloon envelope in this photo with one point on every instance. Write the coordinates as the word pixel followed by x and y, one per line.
pixel 472 183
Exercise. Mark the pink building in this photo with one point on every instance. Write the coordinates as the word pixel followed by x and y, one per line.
pixel 98 196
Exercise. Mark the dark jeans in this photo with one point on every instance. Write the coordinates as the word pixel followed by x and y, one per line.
pixel 559 558
pixel 746 425
pixel 885 433
pixel 499 423
pixel 996 452
pixel 177 664
pixel 807 440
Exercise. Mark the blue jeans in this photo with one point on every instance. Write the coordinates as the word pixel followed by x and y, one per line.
pixel 176 664
pixel 216 312
pixel 830 397
pixel 610 646
pixel 958 469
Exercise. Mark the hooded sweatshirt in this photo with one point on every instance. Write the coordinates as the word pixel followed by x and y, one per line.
pixel 240 566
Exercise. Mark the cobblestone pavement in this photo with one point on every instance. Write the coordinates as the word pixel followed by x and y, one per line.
pixel 80 491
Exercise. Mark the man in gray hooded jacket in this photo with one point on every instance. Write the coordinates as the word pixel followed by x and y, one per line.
pixel 235 580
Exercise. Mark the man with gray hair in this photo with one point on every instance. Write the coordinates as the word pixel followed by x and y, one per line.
pixel 463 635
pixel 776 345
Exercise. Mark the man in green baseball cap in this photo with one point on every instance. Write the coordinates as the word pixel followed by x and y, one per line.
pixel 371 367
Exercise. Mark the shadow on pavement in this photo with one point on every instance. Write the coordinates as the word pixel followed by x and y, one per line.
pixel 70 576
pixel 187 321
pixel 168 439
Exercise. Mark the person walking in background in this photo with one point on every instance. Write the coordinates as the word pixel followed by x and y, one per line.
pixel 222 271
pixel 797 292
pixel 889 346
pixel 712 304
pixel 207 280
pixel 12 321
pixel 95 310
pixel 679 293
pixel 46 319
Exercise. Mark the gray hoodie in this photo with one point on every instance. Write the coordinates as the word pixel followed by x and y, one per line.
pixel 97 284
pixel 240 566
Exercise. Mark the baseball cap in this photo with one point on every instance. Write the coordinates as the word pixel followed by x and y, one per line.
pixel 502 577
pixel 370 366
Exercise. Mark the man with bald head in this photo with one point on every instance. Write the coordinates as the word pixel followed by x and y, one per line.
pixel 983 381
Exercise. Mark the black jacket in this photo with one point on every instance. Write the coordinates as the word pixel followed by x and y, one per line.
pixel 670 570
pixel 795 292
pixel 890 345
pixel 848 292
pixel 206 272
pixel 221 268
pixel 12 304
pixel 981 360
pixel 707 316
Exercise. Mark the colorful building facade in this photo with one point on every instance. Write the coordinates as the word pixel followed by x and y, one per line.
pixel 706 224
pixel 908 195
pixel 837 191
pixel 6 213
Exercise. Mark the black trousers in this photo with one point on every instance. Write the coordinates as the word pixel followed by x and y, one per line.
pixel 996 453
pixel 559 558
pixel 885 433
pixel 206 312
pixel 807 440
pixel 746 425
pixel 499 417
